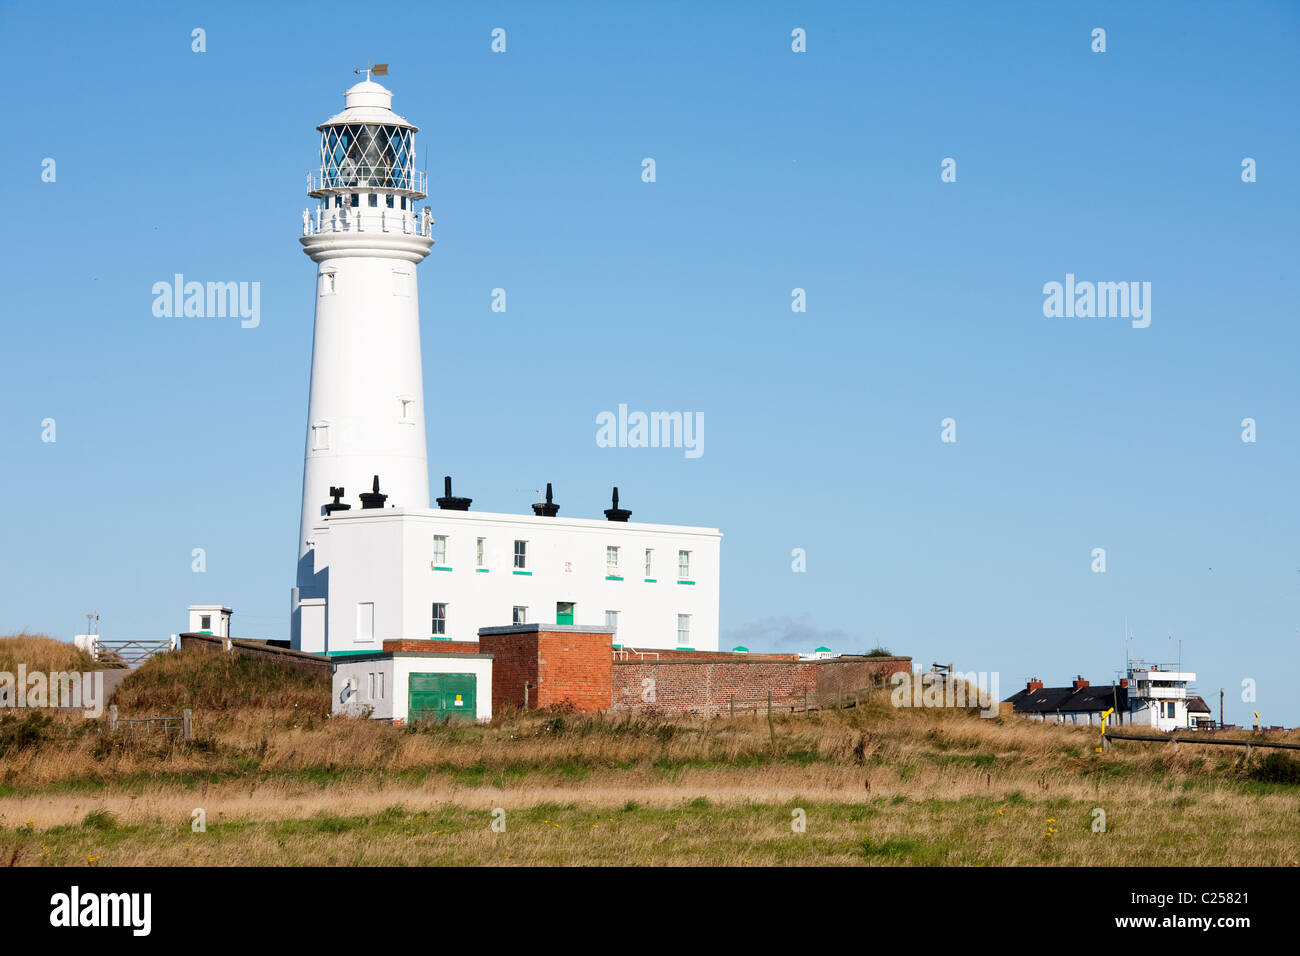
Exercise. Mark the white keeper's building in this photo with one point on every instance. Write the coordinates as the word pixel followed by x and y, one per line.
pixel 379 563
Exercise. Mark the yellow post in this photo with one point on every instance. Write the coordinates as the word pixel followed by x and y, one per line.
pixel 1257 721
pixel 1104 714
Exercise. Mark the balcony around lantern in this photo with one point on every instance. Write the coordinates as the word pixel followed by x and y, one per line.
pixel 366 219
pixel 411 183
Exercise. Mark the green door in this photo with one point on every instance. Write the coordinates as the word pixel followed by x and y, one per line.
pixel 563 612
pixel 442 697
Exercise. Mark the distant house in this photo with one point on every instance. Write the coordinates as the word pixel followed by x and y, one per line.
pixel 1080 703
pixel 1148 697
pixel 1199 714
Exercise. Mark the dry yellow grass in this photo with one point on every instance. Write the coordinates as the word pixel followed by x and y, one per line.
pixel 284 784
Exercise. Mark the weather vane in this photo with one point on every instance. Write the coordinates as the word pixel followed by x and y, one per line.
pixel 379 69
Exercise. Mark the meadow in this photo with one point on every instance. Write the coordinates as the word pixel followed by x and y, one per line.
pixel 277 781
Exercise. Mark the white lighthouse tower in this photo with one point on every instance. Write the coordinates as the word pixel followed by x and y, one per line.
pixel 366 409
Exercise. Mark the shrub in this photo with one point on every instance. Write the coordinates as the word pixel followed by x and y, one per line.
pixel 31 729
pixel 1276 768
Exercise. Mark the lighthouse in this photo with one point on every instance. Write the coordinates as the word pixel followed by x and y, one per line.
pixel 365 412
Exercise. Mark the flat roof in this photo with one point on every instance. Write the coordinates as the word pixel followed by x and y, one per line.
pixel 490 517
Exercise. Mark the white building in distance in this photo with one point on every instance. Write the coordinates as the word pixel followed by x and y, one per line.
pixel 395 568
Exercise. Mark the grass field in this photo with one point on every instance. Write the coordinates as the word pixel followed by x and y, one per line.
pixel 281 783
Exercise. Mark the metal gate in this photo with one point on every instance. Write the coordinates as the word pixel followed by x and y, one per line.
pixel 442 697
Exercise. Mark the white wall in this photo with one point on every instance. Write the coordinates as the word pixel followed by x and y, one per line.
pixel 385 557
pixel 352 698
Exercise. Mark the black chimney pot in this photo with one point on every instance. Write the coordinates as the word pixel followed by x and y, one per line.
pixel 449 503
pixel 549 510
pixel 336 504
pixel 372 498
pixel 616 513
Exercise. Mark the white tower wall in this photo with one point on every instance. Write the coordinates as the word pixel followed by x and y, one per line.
pixel 366 407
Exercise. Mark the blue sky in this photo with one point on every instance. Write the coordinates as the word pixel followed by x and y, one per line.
pixel 775 170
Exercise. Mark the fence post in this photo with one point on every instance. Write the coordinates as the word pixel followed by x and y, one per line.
pixel 526 686
pixel 187 723
pixel 770 726
pixel 112 718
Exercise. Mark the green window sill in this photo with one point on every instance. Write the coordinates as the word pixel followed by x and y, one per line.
pixel 523 572
pixel 651 580
pixel 612 577
pixel 439 567
pixel 482 570
pixel 685 582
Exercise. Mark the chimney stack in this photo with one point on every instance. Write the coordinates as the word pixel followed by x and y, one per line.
pixel 372 498
pixel 1080 683
pixel 450 503
pixel 549 509
pixel 336 504
pixel 616 513
pixel 1123 682
pixel 1033 685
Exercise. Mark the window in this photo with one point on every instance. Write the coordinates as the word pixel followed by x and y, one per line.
pixel 683 630
pixel 649 562
pixel 439 549
pixel 381 685
pixel 327 283
pixel 372 685
pixel 563 612
pixel 478 558
pixel 401 282
pixel 520 615
pixel 684 565
pixel 611 621
pixel 439 620
pixel 403 202
pixel 611 560
pixel 356 200
pixel 374 200
pixel 388 200
pixel 521 554
pixel 205 622
pixel 407 412
pixel 365 621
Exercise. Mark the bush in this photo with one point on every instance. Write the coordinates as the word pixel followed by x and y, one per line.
pixel 1276 768
pixel 208 681
pixel 19 733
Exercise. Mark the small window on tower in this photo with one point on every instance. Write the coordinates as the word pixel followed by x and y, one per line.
pixel 403 202
pixel 520 615
pixel 407 411
pixel 388 200
pixel 205 622
pixel 356 200
pixel 327 283
pixel 320 436
pixel 374 200
pixel 401 282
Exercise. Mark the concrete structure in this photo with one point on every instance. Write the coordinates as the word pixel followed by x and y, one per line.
pixel 442 574
pixel 210 619
pixel 394 568
pixel 1148 697
pixel 397 685
pixel 366 408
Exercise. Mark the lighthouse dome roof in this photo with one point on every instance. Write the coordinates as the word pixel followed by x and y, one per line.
pixel 367 102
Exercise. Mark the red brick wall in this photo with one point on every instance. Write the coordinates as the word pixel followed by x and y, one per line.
pixel 575 668
pixel 426 645
pixel 514 661
pixel 705 686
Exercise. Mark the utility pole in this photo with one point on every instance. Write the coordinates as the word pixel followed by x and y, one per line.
pixel 1220 708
